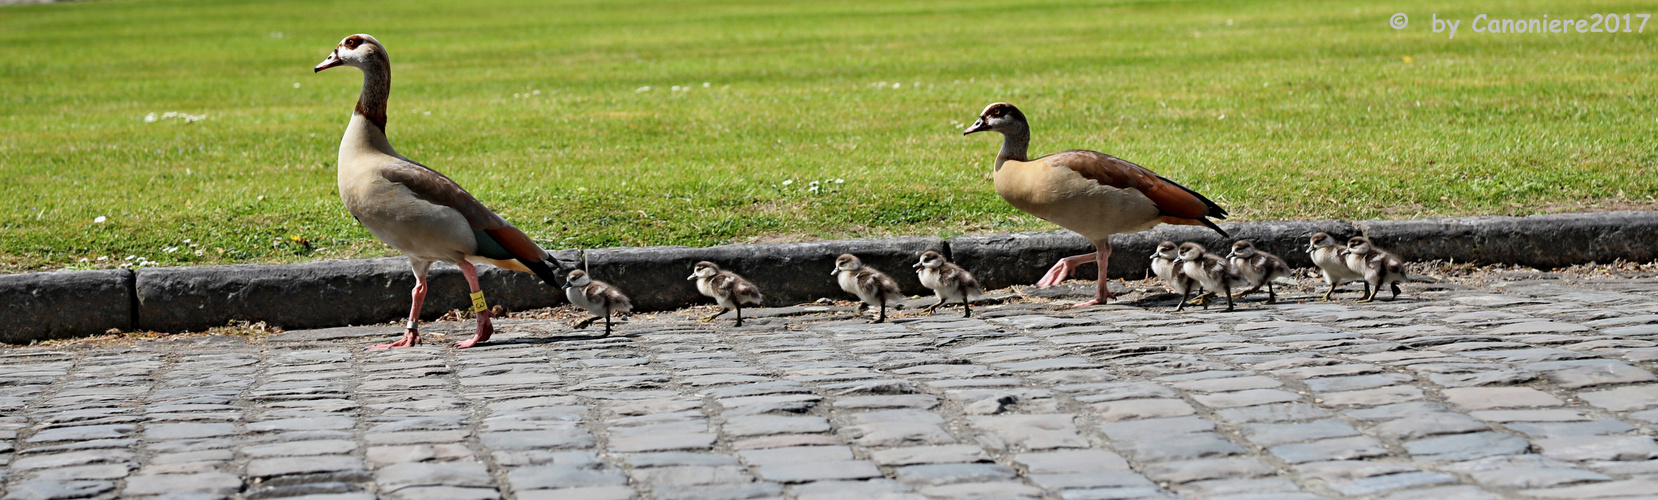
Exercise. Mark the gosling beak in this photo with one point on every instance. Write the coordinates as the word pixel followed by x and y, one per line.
pixel 566 286
pixel 835 272
pixel 691 277
pixel 332 61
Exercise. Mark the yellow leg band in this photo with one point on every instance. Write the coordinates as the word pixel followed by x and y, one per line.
pixel 478 304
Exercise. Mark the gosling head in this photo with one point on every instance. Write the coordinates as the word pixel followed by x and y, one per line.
pixel 1191 252
pixel 846 262
pixel 930 260
pixel 703 269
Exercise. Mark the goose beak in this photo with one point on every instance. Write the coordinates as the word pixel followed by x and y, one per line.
pixel 332 61
pixel 835 272
pixel 566 286
pixel 691 277
pixel 978 126
pixel 917 265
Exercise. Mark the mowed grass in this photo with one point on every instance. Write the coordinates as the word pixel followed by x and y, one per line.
pixel 563 116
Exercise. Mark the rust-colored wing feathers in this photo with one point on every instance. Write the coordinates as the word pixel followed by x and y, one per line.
pixel 1179 204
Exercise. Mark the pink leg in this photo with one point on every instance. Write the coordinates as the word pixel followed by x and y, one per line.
pixel 1102 292
pixel 1063 269
pixel 411 332
pixel 484 326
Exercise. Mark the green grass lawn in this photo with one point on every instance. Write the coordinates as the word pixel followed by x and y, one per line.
pixel 565 118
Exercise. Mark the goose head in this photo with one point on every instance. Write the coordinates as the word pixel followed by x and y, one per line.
pixel 1192 252
pixel 704 270
pixel 1166 250
pixel 1320 240
pixel 1359 245
pixel 846 262
pixel 577 279
pixel 1242 249
pixel 930 260
pixel 1000 117
pixel 357 51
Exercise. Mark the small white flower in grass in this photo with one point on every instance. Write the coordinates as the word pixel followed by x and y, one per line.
pixel 535 92
pixel 515 96
pixel 1222 117
pixel 83 260
pixel 170 249
pixel 704 84
pixel 99 219
pixel 788 182
pixel 199 252
pixel 646 88
pixel 428 113
pixel 102 258
pixel 897 85
pixel 149 118
pixel 130 257
pixel 839 180
pixel 296 85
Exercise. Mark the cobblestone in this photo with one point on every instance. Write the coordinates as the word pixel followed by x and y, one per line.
pixel 1542 388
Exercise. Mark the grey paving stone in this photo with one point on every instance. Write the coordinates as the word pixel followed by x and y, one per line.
pixel 1155 427
pixel 562 477
pixel 1349 448
pixel 1180 447
pixel 82 433
pixel 1463 492
pixel 1005 490
pixel 1465 446
pixel 669 459
pixel 885 489
pixel 818 471
pixel 1276 434
pixel 937 474
pixel 1631 488
pixel 546 439
pixel 284 466
pixel 742 491
pixel 1617 448
pixel 1635 397
pixel 1215 468
pixel 929 455
pixel 211 483
pixel 1591 372
pixel 1563 429
pixel 1524 471
pixel 797 454
pixel 54 460
pixel 301 448
pixel 1428 424
pixel 759 425
pixel 1142 408
pixel 1372 397
pixel 1286 412
pixel 1250 397
pixel 1355 382
pixel 54 490
pixel 1071 461
pixel 1030 432
pixel 80 472
pixel 588 493
pixel 454 474
pixel 1229 487
pixel 1485 398
pixel 658 477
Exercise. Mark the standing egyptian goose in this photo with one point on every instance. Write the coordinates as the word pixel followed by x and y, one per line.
pixel 1093 194
pixel 727 289
pixel 948 281
pixel 872 287
pixel 597 297
pixel 415 209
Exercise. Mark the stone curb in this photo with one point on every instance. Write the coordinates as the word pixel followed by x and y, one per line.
pixel 41 306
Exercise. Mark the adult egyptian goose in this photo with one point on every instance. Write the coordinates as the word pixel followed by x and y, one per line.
pixel 1088 192
pixel 415 209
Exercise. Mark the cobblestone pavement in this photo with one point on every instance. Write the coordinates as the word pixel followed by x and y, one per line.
pixel 1536 388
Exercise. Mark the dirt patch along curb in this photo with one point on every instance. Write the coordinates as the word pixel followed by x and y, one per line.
pixel 39 306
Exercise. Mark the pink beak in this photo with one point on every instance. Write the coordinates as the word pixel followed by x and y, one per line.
pixel 332 61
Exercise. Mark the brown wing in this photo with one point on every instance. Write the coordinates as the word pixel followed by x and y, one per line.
pixel 1171 198
pixel 434 187
pixel 737 288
